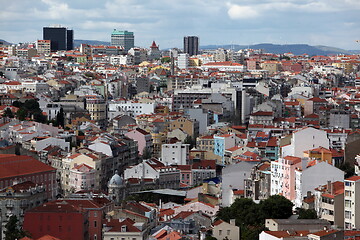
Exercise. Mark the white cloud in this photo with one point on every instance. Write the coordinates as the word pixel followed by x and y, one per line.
pixel 100 25
pixel 242 12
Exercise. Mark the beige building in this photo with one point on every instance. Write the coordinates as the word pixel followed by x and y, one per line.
pixel 26 53
pixel 158 139
pixel 329 203
pixel 352 203
pixel 206 143
pixel 117 229
pixel 271 66
pixel 190 126
pixel 96 106
pixel 311 225
pixel 348 67
pixel 224 230
pixel 43 47
pixel 326 234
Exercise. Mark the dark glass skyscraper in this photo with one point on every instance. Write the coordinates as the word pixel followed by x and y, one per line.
pixel 60 37
pixel 191 45
pixel 69 39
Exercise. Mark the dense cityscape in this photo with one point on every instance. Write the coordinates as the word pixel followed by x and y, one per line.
pixel 119 142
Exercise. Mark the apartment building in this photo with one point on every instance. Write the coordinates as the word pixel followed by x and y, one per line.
pixel 352 203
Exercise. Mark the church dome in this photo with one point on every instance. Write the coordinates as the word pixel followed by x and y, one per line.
pixel 116 179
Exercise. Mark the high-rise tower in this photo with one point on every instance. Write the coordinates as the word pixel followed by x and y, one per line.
pixel 191 45
pixel 61 38
pixel 122 38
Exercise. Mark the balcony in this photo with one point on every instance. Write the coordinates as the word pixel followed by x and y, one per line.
pixel 24 204
pixel 9 204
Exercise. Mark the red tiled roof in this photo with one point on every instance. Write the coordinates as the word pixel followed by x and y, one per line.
pixel 238 192
pixel 353 178
pixel 204 164
pixel 292 159
pixel 226 63
pixel 286 234
pixel 117 225
pixel 317 99
pixel 12 165
pixel 262 113
pixel 318 150
pixel 233 148
pixel 218 222
pixel 325 232
pixel 183 215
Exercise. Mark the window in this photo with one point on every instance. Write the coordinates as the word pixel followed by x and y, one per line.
pixel 348 214
pixel 228 232
pixel 347 193
pixel 95 224
pixel 220 232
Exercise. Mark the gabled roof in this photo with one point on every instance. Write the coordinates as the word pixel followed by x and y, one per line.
pixel 262 113
pixel 117 225
pixel 287 234
pixel 183 214
pixel 12 165
pixel 353 178
pixel 218 222
pixel 325 232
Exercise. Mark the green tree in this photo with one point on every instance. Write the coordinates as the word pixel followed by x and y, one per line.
pixel 250 217
pixel 307 213
pixel 17 149
pixel 39 117
pixel 147 154
pixel 21 114
pixel 60 118
pixel 276 206
pixel 8 113
pixel 190 140
pixel 165 60
pixel 210 238
pixel 31 104
pixel 12 229
pixel 17 104
pixel 348 169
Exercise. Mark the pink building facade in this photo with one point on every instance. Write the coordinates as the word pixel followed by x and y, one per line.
pixel 82 177
pixel 283 176
pixel 143 139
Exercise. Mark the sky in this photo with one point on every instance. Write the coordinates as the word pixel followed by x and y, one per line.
pixel 333 23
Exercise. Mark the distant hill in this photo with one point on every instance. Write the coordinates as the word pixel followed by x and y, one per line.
pixel 78 42
pixel 296 49
pixel 4 42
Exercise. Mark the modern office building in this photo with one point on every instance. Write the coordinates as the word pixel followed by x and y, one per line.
pixel 69 39
pixel 191 45
pixel 122 38
pixel 61 38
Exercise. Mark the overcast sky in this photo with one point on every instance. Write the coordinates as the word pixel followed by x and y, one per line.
pixel 324 22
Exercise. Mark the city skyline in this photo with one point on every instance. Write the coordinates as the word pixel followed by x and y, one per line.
pixel 334 23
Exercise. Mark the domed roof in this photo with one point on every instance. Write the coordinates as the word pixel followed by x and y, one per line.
pixel 116 179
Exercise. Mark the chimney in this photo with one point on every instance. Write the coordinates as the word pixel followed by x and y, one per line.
pixel 328 186
pixel 308 194
pixel 232 222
